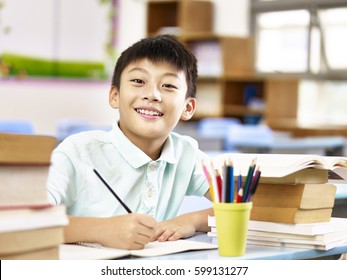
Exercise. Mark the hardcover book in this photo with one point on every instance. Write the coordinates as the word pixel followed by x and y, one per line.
pixel 23 186
pixel 32 233
pixel 51 253
pixel 26 149
pixel 290 215
pixel 303 196
pixel 24 164
pixel 17 242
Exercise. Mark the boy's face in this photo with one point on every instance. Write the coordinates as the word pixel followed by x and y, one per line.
pixel 151 100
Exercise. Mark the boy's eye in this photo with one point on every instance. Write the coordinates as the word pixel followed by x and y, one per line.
pixel 169 86
pixel 137 81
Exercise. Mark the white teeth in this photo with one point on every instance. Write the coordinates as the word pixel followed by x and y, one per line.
pixel 148 112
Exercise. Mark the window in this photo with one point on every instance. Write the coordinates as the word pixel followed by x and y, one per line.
pixel 282 41
pixel 307 39
pixel 334 28
pixel 300 37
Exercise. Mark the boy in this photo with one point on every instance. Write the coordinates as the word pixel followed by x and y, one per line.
pixel 148 166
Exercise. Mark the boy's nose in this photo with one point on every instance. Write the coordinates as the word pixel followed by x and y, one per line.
pixel 152 94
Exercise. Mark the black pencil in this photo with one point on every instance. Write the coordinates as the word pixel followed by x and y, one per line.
pixel 110 189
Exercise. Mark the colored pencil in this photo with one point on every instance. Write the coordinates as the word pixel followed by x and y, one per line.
pixel 255 182
pixel 231 181
pixel 248 180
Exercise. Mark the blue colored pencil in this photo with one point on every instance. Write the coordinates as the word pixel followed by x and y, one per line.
pixel 227 183
pixel 239 182
pixel 248 181
pixel 231 181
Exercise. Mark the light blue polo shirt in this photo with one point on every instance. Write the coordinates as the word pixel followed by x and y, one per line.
pixel 156 188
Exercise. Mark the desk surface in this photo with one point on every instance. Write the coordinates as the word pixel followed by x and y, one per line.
pixel 252 253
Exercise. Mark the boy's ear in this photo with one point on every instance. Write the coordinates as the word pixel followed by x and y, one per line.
pixel 113 97
pixel 189 109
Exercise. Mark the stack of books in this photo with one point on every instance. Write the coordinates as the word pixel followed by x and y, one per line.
pixel 293 204
pixel 316 236
pixel 293 201
pixel 30 228
pixel 304 196
pixel 293 188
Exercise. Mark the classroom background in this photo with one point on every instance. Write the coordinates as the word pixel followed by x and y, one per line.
pixel 56 63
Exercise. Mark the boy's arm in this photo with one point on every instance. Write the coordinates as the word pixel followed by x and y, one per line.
pixel 132 231
pixel 185 225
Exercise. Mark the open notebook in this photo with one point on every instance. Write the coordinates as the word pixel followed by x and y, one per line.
pixel 90 251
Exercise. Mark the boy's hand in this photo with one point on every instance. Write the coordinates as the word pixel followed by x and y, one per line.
pixel 183 226
pixel 132 231
pixel 174 229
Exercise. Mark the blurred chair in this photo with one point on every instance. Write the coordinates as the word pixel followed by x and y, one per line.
pixel 217 128
pixel 206 143
pixel 249 138
pixel 16 126
pixel 68 127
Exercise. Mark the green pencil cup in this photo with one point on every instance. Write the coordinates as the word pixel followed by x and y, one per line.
pixel 232 225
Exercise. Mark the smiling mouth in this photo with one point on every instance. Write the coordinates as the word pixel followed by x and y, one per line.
pixel 148 112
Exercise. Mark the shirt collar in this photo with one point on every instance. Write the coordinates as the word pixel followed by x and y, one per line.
pixel 168 152
pixel 135 156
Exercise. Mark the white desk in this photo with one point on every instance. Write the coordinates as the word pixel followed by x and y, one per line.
pixel 252 253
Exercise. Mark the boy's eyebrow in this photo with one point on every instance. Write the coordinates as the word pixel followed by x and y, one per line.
pixel 175 75
pixel 138 69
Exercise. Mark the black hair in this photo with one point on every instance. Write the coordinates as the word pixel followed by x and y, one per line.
pixel 162 48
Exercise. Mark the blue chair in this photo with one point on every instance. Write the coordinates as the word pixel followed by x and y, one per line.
pixel 258 138
pixel 16 126
pixel 216 127
pixel 72 126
